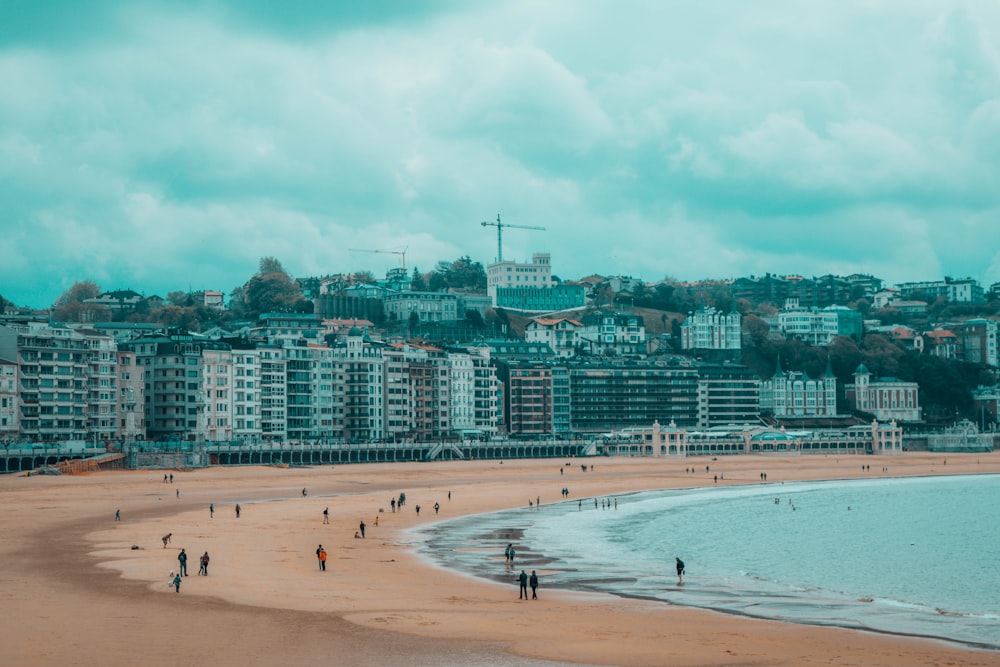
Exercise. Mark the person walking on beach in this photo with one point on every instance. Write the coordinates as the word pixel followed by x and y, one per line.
pixel 322 559
pixel 164 478
pixel 362 527
pixel 118 515
pixel 326 515
pixel 533 582
pixel 319 561
pixel 176 583
pixel 436 507
pixel 237 511
pixel 680 570
pixel 178 492
pixel 203 569
pixel 523 579
pixel 506 552
pixel 211 511
pixel 166 540
pixel 171 478
pixel 182 558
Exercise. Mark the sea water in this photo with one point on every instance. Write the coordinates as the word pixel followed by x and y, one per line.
pixel 916 556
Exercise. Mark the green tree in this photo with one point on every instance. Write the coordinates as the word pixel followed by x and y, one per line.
pixel 272 290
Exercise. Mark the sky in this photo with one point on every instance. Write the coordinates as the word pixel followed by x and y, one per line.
pixel 170 146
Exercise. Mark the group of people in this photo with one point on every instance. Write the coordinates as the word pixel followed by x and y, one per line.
pixel 526 581
pixel 321 558
pixel 182 569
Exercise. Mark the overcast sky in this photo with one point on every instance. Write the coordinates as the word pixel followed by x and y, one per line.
pixel 154 148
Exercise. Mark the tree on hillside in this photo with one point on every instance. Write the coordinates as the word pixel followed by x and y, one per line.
pixel 418 283
pixel 179 298
pixel 270 265
pixel 462 274
pixel 70 306
pixel 271 290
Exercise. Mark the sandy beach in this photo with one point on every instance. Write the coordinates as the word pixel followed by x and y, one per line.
pixel 75 592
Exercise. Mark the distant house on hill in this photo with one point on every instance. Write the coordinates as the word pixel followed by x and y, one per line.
pixel 124 299
pixel 562 334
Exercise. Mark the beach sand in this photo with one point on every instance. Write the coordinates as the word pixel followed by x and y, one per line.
pixel 74 592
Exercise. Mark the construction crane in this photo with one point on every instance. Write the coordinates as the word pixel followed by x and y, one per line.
pixel 500 225
pixel 401 253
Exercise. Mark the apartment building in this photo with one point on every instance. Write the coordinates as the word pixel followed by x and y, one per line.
pixel 67 381
pixel 174 376
pixel 359 362
pixel 273 393
pixel 978 341
pixel 965 290
pixel 527 397
pixel 727 394
pixel 606 396
pixel 216 415
pixel 131 397
pixel 10 411
pixel 246 394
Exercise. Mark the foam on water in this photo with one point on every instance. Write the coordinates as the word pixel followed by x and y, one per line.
pixel 909 555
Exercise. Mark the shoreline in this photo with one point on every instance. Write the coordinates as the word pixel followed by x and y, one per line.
pixel 566 572
pixel 378 604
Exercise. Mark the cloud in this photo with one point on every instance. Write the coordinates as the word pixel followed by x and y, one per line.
pixel 153 148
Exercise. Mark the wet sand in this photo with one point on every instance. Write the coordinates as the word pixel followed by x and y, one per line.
pixel 74 592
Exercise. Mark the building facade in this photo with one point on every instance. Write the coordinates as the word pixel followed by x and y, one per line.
pixel 888 399
pixel 10 410
pixel 820 326
pixel 727 394
pixel 796 395
pixel 563 335
pixel 709 329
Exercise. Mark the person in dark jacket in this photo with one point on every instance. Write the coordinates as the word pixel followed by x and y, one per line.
pixel 533 582
pixel 523 579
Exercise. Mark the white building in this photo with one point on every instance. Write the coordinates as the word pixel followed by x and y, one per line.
pixel 10 413
pixel 273 394
pixel 795 394
pixel 216 421
pixel 709 329
pixel 360 368
pixel 246 395
pixel 508 274
pixel 819 326
pixel 562 334
pixel 965 290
